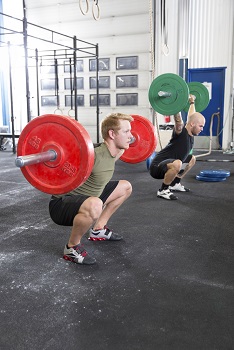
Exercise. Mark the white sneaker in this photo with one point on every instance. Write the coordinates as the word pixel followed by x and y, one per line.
pixel 78 255
pixel 104 235
pixel 166 194
pixel 178 187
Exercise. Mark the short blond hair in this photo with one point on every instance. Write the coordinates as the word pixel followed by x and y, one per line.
pixel 111 122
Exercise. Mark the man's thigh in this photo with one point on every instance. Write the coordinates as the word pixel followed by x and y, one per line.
pixel 158 171
pixel 63 210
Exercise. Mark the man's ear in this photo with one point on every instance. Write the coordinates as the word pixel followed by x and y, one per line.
pixel 111 134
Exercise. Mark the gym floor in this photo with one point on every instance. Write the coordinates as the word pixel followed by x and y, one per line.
pixel 168 285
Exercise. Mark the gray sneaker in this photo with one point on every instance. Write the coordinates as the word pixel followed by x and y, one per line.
pixel 78 255
pixel 104 235
pixel 166 194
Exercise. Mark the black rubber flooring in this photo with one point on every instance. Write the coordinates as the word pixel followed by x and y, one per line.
pixel 168 285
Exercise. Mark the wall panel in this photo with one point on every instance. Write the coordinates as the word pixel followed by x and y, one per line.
pixel 200 30
pixel 211 33
pixel 211 45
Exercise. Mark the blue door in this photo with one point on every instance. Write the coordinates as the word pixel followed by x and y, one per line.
pixel 214 79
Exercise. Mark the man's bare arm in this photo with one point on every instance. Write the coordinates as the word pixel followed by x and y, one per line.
pixel 178 123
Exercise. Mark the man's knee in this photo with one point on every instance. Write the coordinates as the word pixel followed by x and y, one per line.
pixel 92 207
pixel 175 166
pixel 192 161
pixel 125 186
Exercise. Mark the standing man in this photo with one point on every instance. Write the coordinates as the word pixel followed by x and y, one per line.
pixel 94 202
pixel 174 161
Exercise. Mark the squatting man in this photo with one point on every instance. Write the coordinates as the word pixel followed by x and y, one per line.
pixel 174 161
pixel 90 206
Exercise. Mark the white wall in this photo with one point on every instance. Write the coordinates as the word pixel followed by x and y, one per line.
pixel 123 30
pixel 200 30
pixel 211 45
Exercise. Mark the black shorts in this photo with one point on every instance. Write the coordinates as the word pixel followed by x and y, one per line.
pixel 63 210
pixel 158 170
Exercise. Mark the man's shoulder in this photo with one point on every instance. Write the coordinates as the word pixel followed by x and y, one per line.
pixel 101 150
pixel 177 133
pixel 95 145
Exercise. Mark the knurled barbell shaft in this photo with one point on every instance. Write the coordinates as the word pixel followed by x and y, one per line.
pixel 164 94
pixel 31 159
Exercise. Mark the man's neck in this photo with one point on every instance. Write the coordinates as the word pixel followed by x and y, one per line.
pixel 112 148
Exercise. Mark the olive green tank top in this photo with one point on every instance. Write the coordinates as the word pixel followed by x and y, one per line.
pixel 102 172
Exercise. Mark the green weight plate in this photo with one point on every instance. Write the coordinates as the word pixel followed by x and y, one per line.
pixel 176 87
pixel 202 96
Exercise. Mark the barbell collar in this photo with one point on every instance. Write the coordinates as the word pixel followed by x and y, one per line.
pixel 31 159
pixel 164 94
pixel 133 139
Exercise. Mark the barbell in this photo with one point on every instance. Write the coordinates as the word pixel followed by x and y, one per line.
pixel 55 152
pixel 169 94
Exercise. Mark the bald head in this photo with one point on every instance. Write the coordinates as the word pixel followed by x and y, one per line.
pixel 195 123
pixel 196 118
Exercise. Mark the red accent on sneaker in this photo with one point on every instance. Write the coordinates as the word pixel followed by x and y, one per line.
pixel 80 250
pixel 67 258
pixel 96 239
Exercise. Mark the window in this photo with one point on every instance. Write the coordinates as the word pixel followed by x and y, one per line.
pixel 47 69
pixel 48 84
pixel 127 62
pixel 49 101
pixel 103 82
pixel 79 83
pixel 103 64
pixel 104 100
pixel 79 66
pixel 127 99
pixel 123 81
pixel 80 100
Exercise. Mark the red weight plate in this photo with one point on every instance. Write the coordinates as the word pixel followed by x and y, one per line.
pixel 74 148
pixel 145 140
